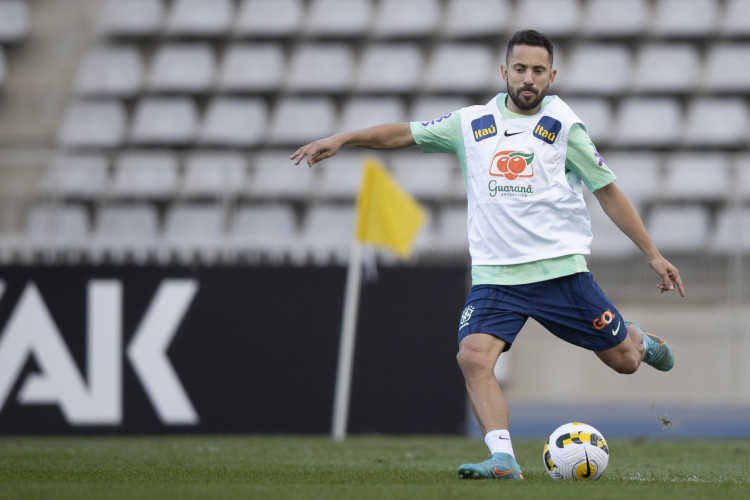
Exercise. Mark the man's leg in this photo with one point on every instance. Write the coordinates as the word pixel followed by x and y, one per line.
pixel 477 355
pixel 637 347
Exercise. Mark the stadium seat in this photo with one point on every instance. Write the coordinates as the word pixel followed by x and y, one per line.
pixel 14 20
pixel 97 124
pixel 680 228
pixel 167 121
pixel 741 164
pixel 297 120
pixel 609 241
pixel 734 21
pixel 556 18
pixel 434 177
pixel 125 232
pixel 321 68
pixel 263 230
pixel 696 176
pixel 727 68
pixel 688 18
pixel 731 231
pixel 363 112
pixel 57 231
pixel 115 70
pixel 330 18
pixel 455 67
pixel 451 235
pixel 145 174
pixel 475 18
pixel 76 176
pixel 234 121
pixel 428 108
pixel 623 18
pixel 395 67
pixel 654 68
pixel 639 173
pixel 716 121
pixel 406 18
pixel 326 235
pixel 194 232
pixel 199 18
pixel 596 114
pixel 182 67
pixel 597 69
pixel 269 18
pixel 252 68
pixel 131 18
pixel 213 174
pixel 276 177
pixel 651 122
pixel 340 176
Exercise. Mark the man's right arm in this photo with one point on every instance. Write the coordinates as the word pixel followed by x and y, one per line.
pixel 386 136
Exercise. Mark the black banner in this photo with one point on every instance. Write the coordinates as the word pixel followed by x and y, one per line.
pixel 126 350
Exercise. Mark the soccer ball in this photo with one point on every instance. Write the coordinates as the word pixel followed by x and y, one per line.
pixel 576 451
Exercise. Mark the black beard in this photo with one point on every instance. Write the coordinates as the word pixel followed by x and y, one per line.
pixel 516 98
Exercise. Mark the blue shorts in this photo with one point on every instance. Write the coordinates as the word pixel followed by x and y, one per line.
pixel 573 308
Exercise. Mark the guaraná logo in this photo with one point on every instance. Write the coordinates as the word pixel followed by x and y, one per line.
pixel 512 165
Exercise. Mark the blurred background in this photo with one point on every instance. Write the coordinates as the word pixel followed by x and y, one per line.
pixel 155 135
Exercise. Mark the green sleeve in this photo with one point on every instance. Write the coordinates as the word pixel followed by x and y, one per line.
pixel 442 135
pixel 584 161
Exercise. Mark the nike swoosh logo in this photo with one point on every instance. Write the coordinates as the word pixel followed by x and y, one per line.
pixel 498 472
pixel 506 134
pixel 588 464
pixel 615 330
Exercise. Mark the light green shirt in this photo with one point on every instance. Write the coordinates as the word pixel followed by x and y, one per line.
pixel 445 136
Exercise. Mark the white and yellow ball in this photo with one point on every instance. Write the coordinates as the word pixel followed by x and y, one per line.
pixel 576 451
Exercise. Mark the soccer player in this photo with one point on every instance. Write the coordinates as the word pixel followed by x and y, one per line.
pixel 524 157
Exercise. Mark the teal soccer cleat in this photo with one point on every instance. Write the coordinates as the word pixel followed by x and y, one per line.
pixel 498 466
pixel 658 353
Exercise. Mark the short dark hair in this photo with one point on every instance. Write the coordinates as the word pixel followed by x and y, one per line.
pixel 532 38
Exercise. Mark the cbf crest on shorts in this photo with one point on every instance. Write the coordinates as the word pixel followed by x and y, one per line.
pixel 466 316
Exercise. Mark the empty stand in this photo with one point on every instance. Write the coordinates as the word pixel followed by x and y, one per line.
pixel 264 18
pixel 598 69
pixel 451 236
pixel 363 112
pixel 734 21
pixel 213 174
pixel 553 17
pixel 145 175
pixel 131 17
pixel 344 18
pixel 742 179
pixel 596 114
pixel 406 18
pixel 57 231
pixel 727 68
pixel 114 70
pixel 609 241
pixel 252 68
pixel 84 176
pixel 717 122
pixel 649 122
pixel 476 18
pixel 340 176
pixel 455 67
pixel 666 67
pixel 276 177
pixel 164 121
pixel 731 231
pixel 297 120
pixel 694 18
pixel 3 67
pixel 393 67
pixel 14 20
pixel 265 230
pixel 195 232
pixel 430 108
pixel 182 67
pixel 234 122
pixel 96 124
pixel 681 228
pixel 435 176
pixel 326 234
pixel 321 68
pixel 199 17
pixel 639 174
pixel 623 18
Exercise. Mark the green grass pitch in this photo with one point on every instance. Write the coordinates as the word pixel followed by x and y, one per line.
pixel 359 468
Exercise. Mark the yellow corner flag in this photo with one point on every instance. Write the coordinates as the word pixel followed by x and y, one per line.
pixel 386 214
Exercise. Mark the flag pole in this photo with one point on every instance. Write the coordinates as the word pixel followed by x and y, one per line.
pixel 346 343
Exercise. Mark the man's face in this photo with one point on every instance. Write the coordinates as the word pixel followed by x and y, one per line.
pixel 528 76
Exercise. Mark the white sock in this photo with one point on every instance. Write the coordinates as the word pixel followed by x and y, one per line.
pixel 499 442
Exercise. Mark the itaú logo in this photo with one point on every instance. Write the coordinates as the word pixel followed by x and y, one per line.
pixel 95 396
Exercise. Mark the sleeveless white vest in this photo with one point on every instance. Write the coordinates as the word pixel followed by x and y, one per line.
pixel 521 205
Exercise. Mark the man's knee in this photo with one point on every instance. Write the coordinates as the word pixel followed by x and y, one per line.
pixel 478 354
